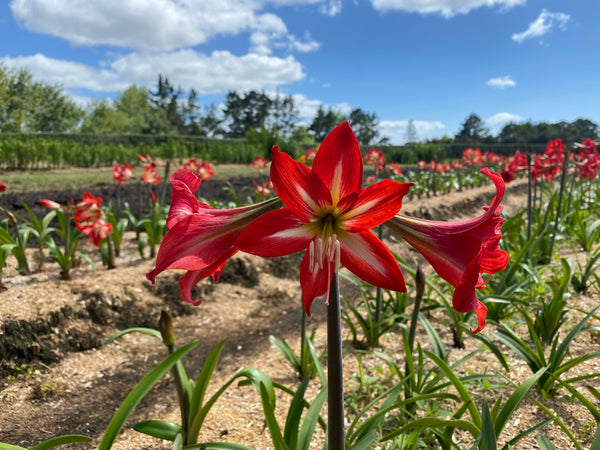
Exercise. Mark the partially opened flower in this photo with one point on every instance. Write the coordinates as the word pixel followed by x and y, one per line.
pixel 460 252
pixel 49 204
pixel 200 238
pixel 328 214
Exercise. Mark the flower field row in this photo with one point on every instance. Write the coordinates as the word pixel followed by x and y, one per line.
pixel 515 281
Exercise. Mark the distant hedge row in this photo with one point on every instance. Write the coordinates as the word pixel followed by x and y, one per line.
pixel 61 151
pixel 37 151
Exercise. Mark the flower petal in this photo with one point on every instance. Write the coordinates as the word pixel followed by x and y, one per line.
pixel 369 259
pixel 277 233
pixel 339 163
pixel 374 205
pixel 193 277
pixel 183 200
pixel 296 187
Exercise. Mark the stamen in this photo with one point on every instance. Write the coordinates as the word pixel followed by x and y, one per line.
pixel 311 256
pixel 319 254
pixel 338 252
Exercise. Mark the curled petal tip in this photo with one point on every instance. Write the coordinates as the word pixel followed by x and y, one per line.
pixel 481 312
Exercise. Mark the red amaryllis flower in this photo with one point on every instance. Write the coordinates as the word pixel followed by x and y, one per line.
pixel 88 208
pixel 309 156
pixel 263 190
pixel 205 171
pixel 461 251
pixel 329 214
pixel 150 175
pixel 200 238
pixel 375 158
pixel 2 186
pixel 201 168
pixel 472 157
pixel 99 229
pixel 396 169
pixel 122 173
pixel 259 163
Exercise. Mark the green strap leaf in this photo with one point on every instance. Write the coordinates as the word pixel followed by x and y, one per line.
pixel 150 331
pixel 56 441
pixel 136 395
pixel 514 400
pixel 160 429
pixel 487 436
pixel 310 420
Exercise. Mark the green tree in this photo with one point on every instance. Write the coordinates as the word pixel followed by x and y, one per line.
pixel 324 122
pixel 210 123
pixel 29 106
pixel 102 118
pixel 246 112
pixel 364 125
pixel 472 130
pixel 283 115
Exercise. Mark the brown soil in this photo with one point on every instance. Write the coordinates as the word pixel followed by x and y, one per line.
pixel 58 378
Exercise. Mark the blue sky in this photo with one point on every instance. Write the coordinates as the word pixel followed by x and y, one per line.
pixel 430 61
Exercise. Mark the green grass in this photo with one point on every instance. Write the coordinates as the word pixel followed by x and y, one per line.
pixel 75 178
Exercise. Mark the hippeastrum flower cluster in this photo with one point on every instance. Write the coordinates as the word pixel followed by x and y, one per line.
pixel 325 211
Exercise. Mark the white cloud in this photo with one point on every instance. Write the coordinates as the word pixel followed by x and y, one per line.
pixel 501 82
pixel 207 74
pixel 331 8
pixel 159 25
pixel 307 108
pixel 68 74
pixel 502 118
pixel 543 25
pixel 395 130
pixel 447 8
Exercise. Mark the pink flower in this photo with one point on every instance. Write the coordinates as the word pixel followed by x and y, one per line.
pixel 460 252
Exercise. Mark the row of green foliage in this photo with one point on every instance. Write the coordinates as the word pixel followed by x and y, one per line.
pixel 27 151
pixel 23 152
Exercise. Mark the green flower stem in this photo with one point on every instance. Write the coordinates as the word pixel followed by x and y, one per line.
pixel 303 365
pixel 378 301
pixel 335 372
pixel 560 200
pixel 420 284
pixel 529 196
